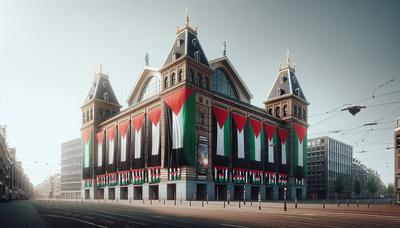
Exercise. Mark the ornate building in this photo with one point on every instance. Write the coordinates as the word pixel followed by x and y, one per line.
pixel 190 132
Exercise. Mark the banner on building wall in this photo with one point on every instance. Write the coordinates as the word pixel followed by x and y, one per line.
pixel 283 135
pixel 240 122
pixel 181 128
pixel 300 149
pixel 270 130
pixel 153 142
pixel 100 143
pixel 87 141
pixel 202 158
pixel 137 123
pixel 256 140
pixel 123 128
pixel 111 144
pixel 222 131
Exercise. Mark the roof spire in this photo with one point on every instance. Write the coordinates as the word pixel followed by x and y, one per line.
pixel 288 57
pixel 146 59
pixel 187 16
pixel 101 68
pixel 224 48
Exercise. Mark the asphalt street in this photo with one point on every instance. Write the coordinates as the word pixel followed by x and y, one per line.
pixel 137 214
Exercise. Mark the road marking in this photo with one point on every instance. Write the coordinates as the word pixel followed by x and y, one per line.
pixel 88 217
pixel 149 220
pixel 157 216
pixel 107 221
pixel 58 216
pixel 230 225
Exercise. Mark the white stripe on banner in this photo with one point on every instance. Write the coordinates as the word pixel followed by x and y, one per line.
pixel 284 154
pixel 111 152
pixel 177 130
pixel 270 151
pixel 99 154
pixel 155 140
pixel 138 142
pixel 123 148
pixel 300 155
pixel 240 140
pixel 220 141
pixel 87 147
pixel 257 148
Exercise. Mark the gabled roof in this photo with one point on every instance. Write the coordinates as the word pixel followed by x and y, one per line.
pixel 138 85
pixel 101 89
pixel 186 44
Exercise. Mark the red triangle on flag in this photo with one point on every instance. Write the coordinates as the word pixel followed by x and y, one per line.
pixel 256 125
pixel 300 131
pixel 100 137
pixel 86 134
pixel 123 127
pixel 270 130
pixel 283 134
pixel 221 115
pixel 111 132
pixel 137 122
pixel 176 100
pixel 154 115
pixel 239 120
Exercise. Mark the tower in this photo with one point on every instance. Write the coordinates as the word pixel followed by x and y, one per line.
pixel 100 104
pixel 287 102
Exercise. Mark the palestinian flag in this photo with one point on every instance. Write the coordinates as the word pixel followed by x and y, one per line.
pixel 256 140
pixel 300 149
pixel 239 125
pixel 270 178
pixel 100 143
pixel 154 175
pixel 138 141
pixel 154 136
pixel 123 133
pixel 87 141
pixel 181 128
pixel 123 177
pixel 174 174
pixel 283 135
pixel 270 130
pixel 111 145
pixel 221 174
pixel 137 176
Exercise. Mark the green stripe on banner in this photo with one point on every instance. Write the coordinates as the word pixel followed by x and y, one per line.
pixel 251 142
pixel 227 136
pixel 189 129
pixel 262 140
pixel 295 154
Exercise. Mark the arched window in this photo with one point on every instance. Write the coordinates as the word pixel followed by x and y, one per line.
pixel 277 112
pixel 285 110
pixel 270 111
pixel 223 85
pixel 151 88
pixel 173 79
pixel 166 82
pixel 180 76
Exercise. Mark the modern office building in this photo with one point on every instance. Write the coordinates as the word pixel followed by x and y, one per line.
pixel 191 132
pixel 71 172
pixel 397 160
pixel 359 173
pixel 329 163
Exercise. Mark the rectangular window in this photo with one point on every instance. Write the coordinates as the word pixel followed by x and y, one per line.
pixel 197 55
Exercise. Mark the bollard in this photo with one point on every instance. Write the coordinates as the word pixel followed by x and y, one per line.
pixel 251 203
pixel 357 204
pixel 207 198
pixel 224 203
pixel 164 201
pixel 143 201
pixel 190 203
pixel 347 203
pixel 151 202
pixel 159 200
pixel 202 203
pixel 175 201
pixel 284 206
pixel 368 203
pixel 295 202
pixel 323 204
pixel 181 200
pixel 130 200
pixel 338 203
pixel 259 201
pixel 239 203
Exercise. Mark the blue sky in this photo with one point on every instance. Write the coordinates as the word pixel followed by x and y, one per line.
pixel 50 51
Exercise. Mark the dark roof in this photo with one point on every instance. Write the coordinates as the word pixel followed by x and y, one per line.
pixel 287 83
pixel 188 45
pixel 100 86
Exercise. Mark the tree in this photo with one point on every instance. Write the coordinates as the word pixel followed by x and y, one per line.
pixel 357 188
pixel 390 190
pixel 338 185
pixel 372 185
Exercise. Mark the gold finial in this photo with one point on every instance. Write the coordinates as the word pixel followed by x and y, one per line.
pixel 101 68
pixel 187 16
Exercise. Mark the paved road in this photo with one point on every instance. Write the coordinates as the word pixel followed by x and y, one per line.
pixel 20 213
pixel 97 214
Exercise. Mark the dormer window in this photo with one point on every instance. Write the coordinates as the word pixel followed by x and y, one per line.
pixel 105 96
pixel 173 79
pixel 180 76
pixel 284 79
pixel 176 55
pixel 197 55
pixel 179 42
pixel 297 92
pixel 194 42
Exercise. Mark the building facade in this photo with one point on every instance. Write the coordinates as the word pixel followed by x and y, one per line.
pixel 71 172
pixel 359 176
pixel 14 183
pixel 397 160
pixel 191 133
pixel 329 162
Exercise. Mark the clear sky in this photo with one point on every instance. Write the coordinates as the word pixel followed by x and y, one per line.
pixel 50 51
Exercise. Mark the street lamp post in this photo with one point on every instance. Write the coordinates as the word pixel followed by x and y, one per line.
pixel 284 198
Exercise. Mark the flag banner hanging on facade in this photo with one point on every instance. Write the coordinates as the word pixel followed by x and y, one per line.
pixel 138 140
pixel 300 149
pixel 238 133
pixel 270 178
pixel 283 135
pixel 270 130
pixel 223 121
pixel 112 179
pixel 154 175
pixel 88 182
pixel 87 148
pixel 111 144
pixel 181 128
pixel 239 176
pixel 256 176
pixel 123 177
pixel 282 179
pixel 174 174
pixel 100 143
pixel 123 128
pixel 255 138
pixel 101 180
pixel 154 136
pixel 221 174
pixel 137 176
